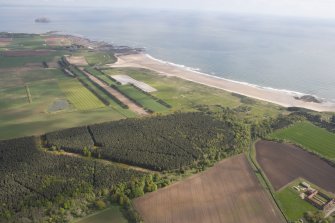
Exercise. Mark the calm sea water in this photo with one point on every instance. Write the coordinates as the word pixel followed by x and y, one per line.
pixel 282 53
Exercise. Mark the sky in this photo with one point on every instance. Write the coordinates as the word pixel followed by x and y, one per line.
pixel 299 8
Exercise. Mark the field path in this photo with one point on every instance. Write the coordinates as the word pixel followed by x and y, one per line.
pixel 132 106
pixel 226 193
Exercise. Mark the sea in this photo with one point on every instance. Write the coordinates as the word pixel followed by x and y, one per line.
pixel 291 54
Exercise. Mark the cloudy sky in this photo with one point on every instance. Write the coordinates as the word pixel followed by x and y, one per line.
pixel 305 8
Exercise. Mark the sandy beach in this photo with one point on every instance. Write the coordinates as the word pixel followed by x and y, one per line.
pixel 274 96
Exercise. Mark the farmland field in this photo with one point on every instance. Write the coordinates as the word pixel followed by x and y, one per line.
pixel 80 96
pixel 228 192
pixel 12 97
pixel 109 215
pixel 309 136
pixel 141 98
pixel 283 163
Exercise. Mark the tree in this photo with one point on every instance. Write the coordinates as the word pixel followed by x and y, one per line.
pixel 87 152
pixel 333 119
pixel 136 187
pixel 149 186
pixel 100 204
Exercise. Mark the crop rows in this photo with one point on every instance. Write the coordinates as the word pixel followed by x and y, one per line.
pixel 80 97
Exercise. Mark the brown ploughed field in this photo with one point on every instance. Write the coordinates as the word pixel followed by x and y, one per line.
pixel 283 163
pixel 57 41
pixel 5 41
pixel 227 192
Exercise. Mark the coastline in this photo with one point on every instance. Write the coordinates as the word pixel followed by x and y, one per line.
pixel 283 98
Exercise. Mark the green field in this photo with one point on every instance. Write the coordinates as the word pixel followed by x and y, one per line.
pixel 126 112
pixel 101 76
pixel 28 42
pixel 99 58
pixel 109 215
pixel 145 100
pixel 12 97
pixel 291 204
pixel 79 96
pixel 310 137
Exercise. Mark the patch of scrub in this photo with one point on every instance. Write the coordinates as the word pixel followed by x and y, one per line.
pixel 109 215
pixel 59 105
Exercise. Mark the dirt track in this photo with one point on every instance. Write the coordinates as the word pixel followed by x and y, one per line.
pixel 228 192
pixel 132 106
pixel 283 163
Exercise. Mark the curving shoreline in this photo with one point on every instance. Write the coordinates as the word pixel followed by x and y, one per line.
pixel 282 98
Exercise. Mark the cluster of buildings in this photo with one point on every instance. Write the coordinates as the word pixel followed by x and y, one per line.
pixel 317 198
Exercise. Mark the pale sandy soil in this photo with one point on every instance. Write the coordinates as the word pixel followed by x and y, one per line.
pixel 5 41
pixel 125 79
pixel 273 96
pixel 77 60
pixel 57 41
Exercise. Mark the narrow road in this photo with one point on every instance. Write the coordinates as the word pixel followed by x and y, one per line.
pixel 132 106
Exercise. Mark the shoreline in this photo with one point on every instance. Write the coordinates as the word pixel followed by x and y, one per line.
pixel 283 98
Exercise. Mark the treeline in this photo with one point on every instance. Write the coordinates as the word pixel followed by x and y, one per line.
pixel 72 140
pixel 39 186
pixel 263 128
pixel 106 102
pixel 157 143
pixel 130 98
pixel 317 120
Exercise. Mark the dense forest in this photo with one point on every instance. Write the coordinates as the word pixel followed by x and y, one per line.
pixel 158 143
pixel 39 186
pixel 64 174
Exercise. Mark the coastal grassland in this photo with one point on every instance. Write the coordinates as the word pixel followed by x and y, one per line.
pixel 187 96
pixel 99 58
pixel 143 99
pixel 111 214
pixel 311 137
pixel 79 96
pixel 290 202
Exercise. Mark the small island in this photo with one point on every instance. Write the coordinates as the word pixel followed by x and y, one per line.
pixel 42 20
